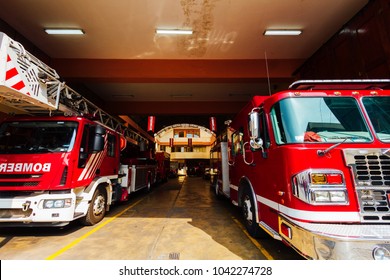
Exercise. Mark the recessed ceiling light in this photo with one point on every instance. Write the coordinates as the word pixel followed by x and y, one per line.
pixel 64 31
pixel 285 32
pixel 174 31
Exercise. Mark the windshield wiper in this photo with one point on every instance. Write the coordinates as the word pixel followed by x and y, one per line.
pixel 322 153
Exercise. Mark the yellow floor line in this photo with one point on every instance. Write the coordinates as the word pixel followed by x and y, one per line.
pixel 254 241
pixel 99 226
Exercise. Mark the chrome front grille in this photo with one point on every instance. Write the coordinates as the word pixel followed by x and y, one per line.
pixel 371 169
pixel 375 202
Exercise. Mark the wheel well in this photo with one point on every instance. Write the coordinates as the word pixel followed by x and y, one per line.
pixel 245 183
pixel 105 188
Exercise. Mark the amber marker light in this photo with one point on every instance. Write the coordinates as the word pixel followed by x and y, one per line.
pixel 327 178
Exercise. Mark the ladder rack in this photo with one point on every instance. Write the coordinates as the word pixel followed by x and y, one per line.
pixel 30 86
pixel 341 84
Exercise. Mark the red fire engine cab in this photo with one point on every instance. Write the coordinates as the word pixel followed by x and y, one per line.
pixel 310 166
pixel 61 157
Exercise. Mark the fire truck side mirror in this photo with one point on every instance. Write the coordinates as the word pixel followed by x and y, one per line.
pixel 254 129
pixel 98 142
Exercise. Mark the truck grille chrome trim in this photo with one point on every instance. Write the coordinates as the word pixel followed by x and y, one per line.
pixel 371 168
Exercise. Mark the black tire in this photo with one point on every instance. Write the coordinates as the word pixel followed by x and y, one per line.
pixel 96 209
pixel 214 187
pixel 248 211
pixel 216 190
pixel 148 185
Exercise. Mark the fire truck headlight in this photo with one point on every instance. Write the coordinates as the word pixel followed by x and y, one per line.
pixel 321 196
pixel 338 196
pixel 329 196
pixel 57 203
pixel 48 204
pixel 320 187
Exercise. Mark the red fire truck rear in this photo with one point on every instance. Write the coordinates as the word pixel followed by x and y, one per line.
pixel 61 157
pixel 163 160
pixel 310 166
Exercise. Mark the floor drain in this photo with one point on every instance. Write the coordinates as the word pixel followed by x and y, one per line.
pixel 174 256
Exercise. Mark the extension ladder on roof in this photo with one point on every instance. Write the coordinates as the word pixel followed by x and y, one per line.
pixel 30 86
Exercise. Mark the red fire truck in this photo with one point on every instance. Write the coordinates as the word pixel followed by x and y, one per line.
pixel 163 165
pixel 61 157
pixel 310 166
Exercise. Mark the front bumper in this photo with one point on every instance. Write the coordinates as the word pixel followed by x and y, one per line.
pixel 337 241
pixel 25 210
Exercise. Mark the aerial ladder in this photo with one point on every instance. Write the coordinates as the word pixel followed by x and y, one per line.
pixel 30 86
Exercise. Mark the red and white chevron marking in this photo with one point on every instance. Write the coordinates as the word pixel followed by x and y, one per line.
pixel 13 79
pixel 93 164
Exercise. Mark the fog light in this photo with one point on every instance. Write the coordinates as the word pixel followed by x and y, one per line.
pixel 381 253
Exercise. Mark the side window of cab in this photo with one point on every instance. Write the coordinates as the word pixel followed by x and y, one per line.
pixel 84 147
pixel 264 129
pixel 237 143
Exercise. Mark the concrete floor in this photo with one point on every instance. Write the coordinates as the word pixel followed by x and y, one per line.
pixel 180 219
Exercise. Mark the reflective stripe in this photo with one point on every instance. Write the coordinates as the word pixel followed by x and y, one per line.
pixel 317 216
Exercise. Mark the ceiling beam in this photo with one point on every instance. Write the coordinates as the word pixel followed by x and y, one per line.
pixel 174 108
pixel 163 70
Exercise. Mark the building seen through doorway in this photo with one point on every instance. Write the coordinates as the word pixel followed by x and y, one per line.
pixel 188 145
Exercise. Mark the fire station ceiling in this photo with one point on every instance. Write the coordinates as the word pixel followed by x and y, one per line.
pixel 121 63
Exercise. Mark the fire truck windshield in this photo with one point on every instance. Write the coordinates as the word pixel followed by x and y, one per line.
pixel 378 110
pixel 319 119
pixel 29 137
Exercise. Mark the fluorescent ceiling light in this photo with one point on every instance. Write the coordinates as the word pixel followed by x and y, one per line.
pixel 64 31
pixel 288 32
pixel 174 31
